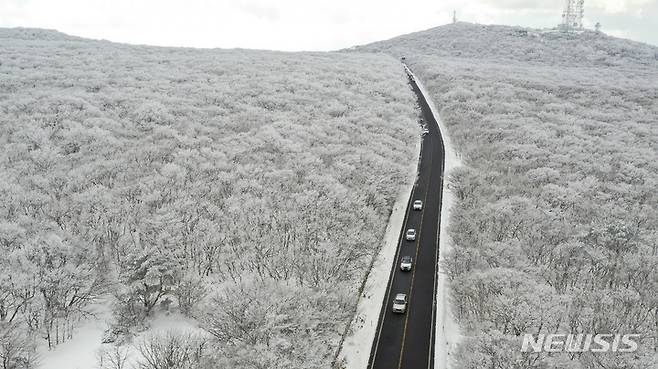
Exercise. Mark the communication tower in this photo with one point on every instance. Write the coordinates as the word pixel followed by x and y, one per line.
pixel 572 17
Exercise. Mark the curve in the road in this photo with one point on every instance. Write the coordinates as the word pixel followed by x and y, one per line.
pixel 407 340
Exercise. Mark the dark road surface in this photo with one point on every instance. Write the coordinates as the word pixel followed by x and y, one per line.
pixel 407 340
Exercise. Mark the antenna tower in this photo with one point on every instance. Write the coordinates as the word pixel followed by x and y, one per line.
pixel 572 18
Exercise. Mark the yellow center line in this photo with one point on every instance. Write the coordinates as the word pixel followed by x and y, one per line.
pixel 401 241
pixel 413 272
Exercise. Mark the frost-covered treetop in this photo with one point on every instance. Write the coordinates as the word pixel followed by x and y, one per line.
pixel 498 42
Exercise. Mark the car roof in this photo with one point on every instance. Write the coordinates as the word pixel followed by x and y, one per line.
pixel 400 296
pixel 417 201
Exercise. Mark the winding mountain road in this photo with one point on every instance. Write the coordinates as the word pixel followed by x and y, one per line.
pixel 407 340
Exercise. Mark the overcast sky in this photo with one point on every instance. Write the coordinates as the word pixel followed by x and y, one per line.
pixel 305 24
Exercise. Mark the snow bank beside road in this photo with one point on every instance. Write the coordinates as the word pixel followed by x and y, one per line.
pixel 355 350
pixel 447 330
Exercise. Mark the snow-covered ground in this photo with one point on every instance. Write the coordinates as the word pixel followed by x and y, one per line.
pixel 81 352
pixel 266 148
pixel 447 331
pixel 356 347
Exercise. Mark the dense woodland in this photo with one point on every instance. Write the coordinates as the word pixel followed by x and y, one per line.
pixel 556 225
pixel 528 46
pixel 246 189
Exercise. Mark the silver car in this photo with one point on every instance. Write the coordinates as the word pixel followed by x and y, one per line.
pixel 411 235
pixel 400 303
pixel 418 205
pixel 406 263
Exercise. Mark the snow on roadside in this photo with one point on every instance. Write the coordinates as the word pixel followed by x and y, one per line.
pixel 355 350
pixel 447 334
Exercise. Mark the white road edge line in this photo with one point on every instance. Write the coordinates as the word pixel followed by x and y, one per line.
pixel 413 271
pixel 446 329
pixel 357 347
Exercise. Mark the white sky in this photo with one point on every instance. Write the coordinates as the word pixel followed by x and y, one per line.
pixel 305 24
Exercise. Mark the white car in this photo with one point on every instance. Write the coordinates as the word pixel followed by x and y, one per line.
pixel 418 205
pixel 405 263
pixel 400 303
pixel 411 235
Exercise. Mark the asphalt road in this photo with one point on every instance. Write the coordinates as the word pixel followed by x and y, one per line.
pixel 407 340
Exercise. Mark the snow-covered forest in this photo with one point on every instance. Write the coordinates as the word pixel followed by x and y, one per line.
pixel 247 190
pixel 555 229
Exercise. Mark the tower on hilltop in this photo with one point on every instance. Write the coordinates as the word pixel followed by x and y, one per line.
pixel 572 17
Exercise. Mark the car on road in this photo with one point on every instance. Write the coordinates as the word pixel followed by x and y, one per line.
pixel 418 205
pixel 411 235
pixel 406 263
pixel 425 131
pixel 400 303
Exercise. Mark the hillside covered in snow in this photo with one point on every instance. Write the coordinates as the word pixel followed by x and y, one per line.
pixel 245 190
pixel 556 221
pixel 530 46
